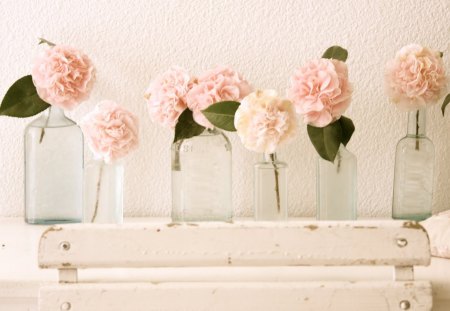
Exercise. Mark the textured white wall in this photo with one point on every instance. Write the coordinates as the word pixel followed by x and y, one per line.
pixel 132 41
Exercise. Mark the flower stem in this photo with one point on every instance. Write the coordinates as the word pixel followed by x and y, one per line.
pixel 277 183
pixel 339 158
pixel 97 197
pixel 45 125
pixel 417 130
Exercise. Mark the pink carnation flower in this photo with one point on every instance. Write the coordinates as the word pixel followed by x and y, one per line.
pixel 63 76
pixel 111 131
pixel 166 96
pixel 219 84
pixel 415 78
pixel 265 121
pixel 320 91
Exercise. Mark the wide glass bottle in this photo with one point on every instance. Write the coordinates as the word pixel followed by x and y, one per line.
pixel 201 178
pixel 270 192
pixel 336 187
pixel 103 192
pixel 414 169
pixel 53 169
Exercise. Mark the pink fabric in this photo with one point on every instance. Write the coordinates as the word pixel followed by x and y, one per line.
pixel 321 91
pixel 265 121
pixel 166 96
pixel 415 78
pixel 111 131
pixel 63 76
pixel 438 229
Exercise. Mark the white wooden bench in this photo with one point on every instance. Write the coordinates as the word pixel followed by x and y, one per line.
pixel 401 245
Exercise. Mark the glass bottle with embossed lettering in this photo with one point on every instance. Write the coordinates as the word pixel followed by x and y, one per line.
pixel 414 169
pixel 201 178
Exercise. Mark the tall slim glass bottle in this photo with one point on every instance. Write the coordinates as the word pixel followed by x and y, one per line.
pixel 270 192
pixel 336 187
pixel 201 178
pixel 414 169
pixel 53 169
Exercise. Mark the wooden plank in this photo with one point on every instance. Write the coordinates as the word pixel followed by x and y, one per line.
pixel 369 296
pixel 404 273
pixel 292 243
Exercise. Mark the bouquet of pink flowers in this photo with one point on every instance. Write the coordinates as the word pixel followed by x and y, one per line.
pixel 61 76
pixel 177 100
pixel 415 79
pixel 321 93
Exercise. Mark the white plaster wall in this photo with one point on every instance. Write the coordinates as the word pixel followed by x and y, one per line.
pixel 132 41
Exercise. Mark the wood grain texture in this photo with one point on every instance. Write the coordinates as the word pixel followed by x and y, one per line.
pixel 313 296
pixel 293 243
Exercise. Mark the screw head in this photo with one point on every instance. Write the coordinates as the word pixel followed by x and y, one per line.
pixel 65 246
pixel 405 305
pixel 66 306
pixel 401 242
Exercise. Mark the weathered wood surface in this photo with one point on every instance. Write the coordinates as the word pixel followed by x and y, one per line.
pixel 370 296
pixel 293 243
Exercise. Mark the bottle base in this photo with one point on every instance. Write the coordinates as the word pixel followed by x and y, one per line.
pixel 36 221
pixel 415 217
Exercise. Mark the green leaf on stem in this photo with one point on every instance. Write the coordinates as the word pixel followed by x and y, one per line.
pixel 21 100
pixel 445 103
pixel 336 52
pixel 186 126
pixel 44 41
pixel 441 54
pixel 221 114
pixel 326 140
pixel 348 128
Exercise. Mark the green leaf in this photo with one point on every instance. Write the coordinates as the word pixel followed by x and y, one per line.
pixel 44 41
pixel 441 54
pixel 336 52
pixel 445 103
pixel 186 126
pixel 22 100
pixel 326 140
pixel 221 114
pixel 348 128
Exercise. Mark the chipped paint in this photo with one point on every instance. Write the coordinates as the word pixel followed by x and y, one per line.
pixel 50 229
pixel 173 224
pixel 312 227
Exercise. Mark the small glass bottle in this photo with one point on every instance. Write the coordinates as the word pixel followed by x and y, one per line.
pixel 103 192
pixel 201 178
pixel 270 193
pixel 414 169
pixel 53 169
pixel 336 187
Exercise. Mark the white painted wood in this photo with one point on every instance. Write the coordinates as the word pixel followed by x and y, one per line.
pixel 292 243
pixel 68 275
pixel 368 296
pixel 404 273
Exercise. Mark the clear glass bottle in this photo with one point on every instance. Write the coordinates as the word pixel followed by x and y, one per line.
pixel 201 178
pixel 336 187
pixel 414 169
pixel 103 192
pixel 53 169
pixel 270 193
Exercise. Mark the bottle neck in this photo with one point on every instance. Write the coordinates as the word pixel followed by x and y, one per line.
pixel 54 112
pixel 270 157
pixel 417 123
